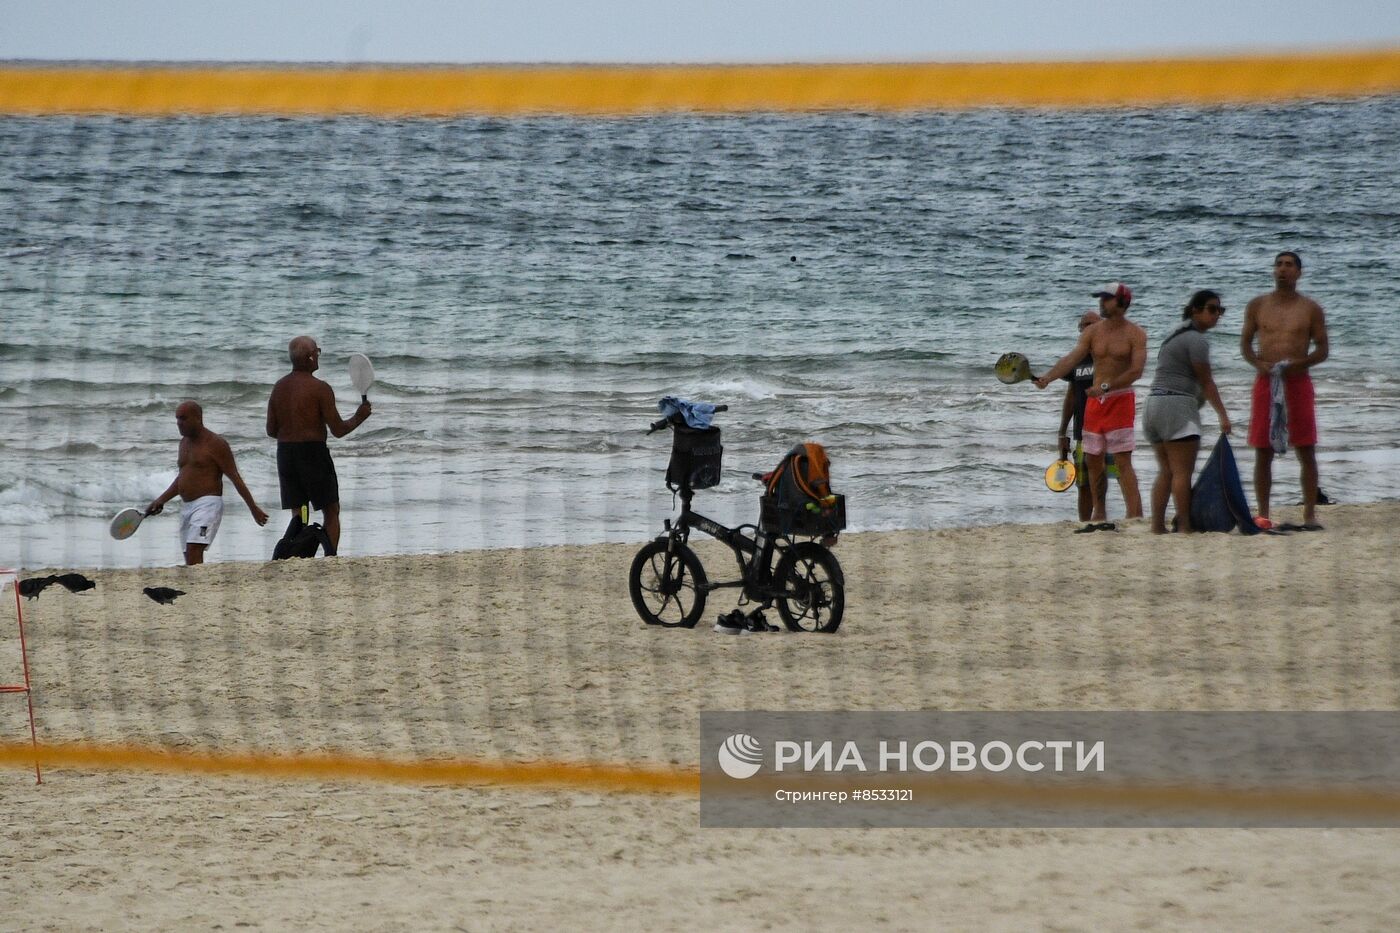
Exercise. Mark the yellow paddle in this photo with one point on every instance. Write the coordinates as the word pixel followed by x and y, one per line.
pixel 1060 475
pixel 1012 368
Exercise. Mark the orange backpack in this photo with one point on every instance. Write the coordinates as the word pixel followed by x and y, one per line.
pixel 798 499
pixel 808 471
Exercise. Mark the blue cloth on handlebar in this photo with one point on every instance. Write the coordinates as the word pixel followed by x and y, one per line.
pixel 696 414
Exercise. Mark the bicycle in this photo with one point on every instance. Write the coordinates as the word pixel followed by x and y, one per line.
pixel 668 582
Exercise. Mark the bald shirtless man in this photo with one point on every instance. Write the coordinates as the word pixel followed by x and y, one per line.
pixel 1119 350
pixel 299 412
pixel 205 459
pixel 1287 323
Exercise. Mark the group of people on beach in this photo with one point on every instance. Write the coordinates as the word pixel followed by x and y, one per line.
pixel 1283 337
pixel 299 413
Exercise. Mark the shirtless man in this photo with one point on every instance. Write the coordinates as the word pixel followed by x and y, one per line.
pixel 1119 349
pixel 1286 322
pixel 300 410
pixel 204 460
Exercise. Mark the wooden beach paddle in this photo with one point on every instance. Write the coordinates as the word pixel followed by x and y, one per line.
pixel 361 374
pixel 1012 368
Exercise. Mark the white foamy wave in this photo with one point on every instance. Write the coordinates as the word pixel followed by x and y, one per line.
pixel 720 391
pixel 1383 457
pixel 25 513
pixel 121 489
pixel 55 494
pixel 25 503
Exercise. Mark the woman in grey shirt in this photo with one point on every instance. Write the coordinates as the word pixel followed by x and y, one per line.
pixel 1172 420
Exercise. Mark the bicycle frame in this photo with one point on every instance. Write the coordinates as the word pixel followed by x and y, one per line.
pixel 756 571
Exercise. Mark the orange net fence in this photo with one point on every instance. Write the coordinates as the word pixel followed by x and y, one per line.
pixel 603 90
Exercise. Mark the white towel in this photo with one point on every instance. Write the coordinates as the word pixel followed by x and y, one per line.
pixel 1278 409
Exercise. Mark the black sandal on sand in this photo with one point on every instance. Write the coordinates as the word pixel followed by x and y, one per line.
pixel 1096 526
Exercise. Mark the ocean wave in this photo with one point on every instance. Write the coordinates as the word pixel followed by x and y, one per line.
pixel 587 444
pixel 720 391
pixel 85 449
pixel 846 429
pixel 65 493
pixel 228 173
pixel 65 392
pixel 310 210
pixel 389 435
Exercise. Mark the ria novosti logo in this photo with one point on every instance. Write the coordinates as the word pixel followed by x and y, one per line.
pixel 740 756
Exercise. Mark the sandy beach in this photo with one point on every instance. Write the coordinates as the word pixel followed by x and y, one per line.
pixel 538 655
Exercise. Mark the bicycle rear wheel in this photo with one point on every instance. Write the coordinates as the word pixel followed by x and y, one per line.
pixel 813 588
pixel 667 584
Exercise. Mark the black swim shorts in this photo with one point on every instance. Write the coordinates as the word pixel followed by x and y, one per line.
pixel 307 475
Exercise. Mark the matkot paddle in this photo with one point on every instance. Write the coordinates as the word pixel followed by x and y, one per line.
pixel 1012 368
pixel 361 374
pixel 125 523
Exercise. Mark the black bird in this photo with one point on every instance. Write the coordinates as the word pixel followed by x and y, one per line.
pixel 32 587
pixel 163 594
pixel 75 582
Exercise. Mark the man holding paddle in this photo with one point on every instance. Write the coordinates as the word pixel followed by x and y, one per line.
pixel 205 459
pixel 300 411
pixel 1119 351
pixel 1072 412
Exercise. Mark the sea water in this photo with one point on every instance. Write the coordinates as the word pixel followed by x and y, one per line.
pixel 529 288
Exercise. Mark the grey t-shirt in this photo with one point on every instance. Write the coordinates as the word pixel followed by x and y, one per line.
pixel 1175 360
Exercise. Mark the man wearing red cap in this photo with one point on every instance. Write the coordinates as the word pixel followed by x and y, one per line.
pixel 1119 350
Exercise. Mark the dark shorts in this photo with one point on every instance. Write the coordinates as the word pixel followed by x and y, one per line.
pixel 307 475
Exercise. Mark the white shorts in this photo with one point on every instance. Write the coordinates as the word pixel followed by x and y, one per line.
pixel 199 520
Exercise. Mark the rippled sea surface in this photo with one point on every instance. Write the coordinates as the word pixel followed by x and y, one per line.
pixel 529 288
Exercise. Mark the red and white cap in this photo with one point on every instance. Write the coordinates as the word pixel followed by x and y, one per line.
pixel 1118 290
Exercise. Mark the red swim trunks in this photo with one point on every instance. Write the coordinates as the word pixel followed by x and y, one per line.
pixel 1108 423
pixel 1302 417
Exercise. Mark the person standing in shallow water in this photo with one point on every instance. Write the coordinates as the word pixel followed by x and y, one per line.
pixel 300 411
pixel 1286 323
pixel 1119 350
pixel 1171 419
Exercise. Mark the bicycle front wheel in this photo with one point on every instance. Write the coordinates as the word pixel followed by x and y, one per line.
pixel 812 587
pixel 667 584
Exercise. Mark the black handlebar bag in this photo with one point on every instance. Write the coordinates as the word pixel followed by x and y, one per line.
pixel 696 454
